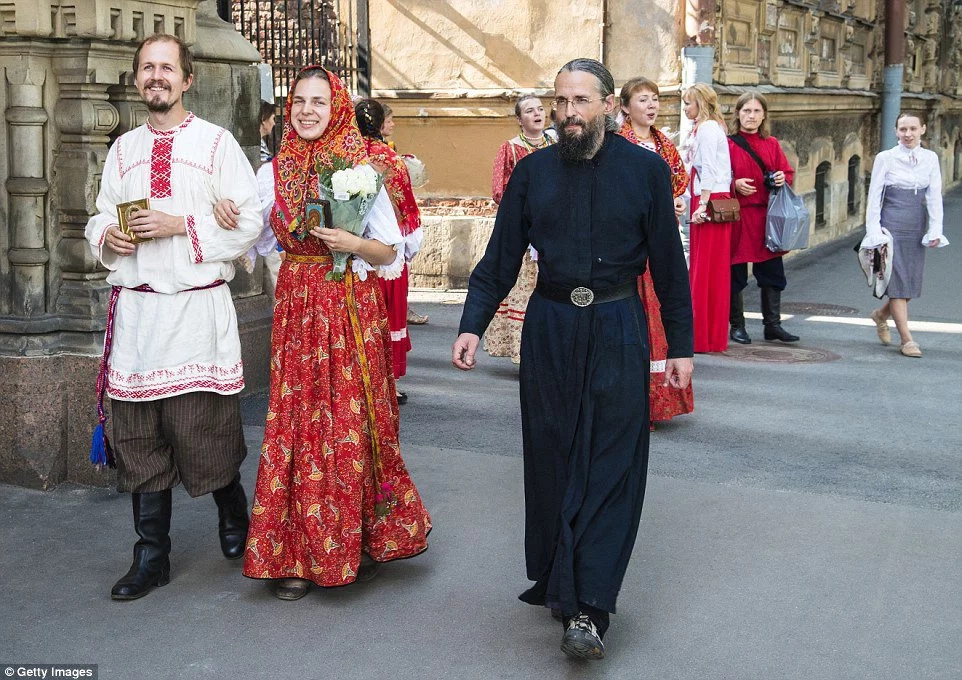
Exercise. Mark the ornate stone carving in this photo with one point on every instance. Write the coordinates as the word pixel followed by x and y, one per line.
pixel 27 190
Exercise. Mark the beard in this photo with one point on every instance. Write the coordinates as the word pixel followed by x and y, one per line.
pixel 577 146
pixel 155 104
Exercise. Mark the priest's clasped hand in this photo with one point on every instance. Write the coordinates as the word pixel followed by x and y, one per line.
pixel 463 351
pixel 678 372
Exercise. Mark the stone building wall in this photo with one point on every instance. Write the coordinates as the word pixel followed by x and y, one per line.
pixel 66 92
pixel 452 69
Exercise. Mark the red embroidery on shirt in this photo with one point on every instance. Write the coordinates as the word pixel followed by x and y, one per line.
pixel 160 158
pixel 194 240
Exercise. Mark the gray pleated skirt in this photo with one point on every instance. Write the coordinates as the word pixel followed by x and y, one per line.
pixel 905 216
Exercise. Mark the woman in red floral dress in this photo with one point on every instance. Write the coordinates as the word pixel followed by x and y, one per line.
pixel 639 103
pixel 331 486
pixel 370 118
pixel 503 335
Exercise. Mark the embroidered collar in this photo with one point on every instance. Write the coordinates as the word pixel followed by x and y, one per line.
pixel 172 131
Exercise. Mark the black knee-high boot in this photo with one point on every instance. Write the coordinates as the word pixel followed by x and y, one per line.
pixel 772 316
pixel 151 565
pixel 736 319
pixel 232 518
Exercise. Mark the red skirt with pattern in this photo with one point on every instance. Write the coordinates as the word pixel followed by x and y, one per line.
pixel 665 402
pixel 332 414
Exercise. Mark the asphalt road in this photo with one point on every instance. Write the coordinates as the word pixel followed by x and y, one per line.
pixel 804 522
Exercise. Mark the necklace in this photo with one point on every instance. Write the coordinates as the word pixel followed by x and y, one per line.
pixel 531 146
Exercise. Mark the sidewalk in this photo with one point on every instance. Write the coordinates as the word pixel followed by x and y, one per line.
pixel 804 522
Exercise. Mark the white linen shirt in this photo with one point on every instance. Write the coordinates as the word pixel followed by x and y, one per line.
pixel 176 340
pixel 708 156
pixel 916 169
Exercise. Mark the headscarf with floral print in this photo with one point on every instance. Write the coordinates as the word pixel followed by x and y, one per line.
pixel 298 160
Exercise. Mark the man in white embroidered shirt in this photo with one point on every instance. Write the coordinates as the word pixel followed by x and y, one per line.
pixel 172 364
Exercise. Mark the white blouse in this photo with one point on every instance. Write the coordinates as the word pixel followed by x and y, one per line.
pixel 916 169
pixel 708 156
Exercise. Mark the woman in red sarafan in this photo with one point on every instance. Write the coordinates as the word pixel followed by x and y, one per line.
pixel 639 103
pixel 370 119
pixel 750 127
pixel 503 335
pixel 331 485
pixel 711 178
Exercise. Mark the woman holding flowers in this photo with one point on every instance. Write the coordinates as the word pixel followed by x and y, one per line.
pixel 331 486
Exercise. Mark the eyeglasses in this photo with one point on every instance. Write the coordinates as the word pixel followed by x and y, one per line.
pixel 578 103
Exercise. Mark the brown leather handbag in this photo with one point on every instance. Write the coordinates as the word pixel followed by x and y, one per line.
pixel 723 210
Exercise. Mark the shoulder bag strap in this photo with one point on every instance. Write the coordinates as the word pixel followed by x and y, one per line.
pixel 743 143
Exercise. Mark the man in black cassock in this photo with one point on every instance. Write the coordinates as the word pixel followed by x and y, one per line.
pixel 597 208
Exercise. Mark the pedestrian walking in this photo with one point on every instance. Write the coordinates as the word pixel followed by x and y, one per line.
pixel 759 167
pixel 387 129
pixel 640 105
pixel 370 119
pixel 172 357
pixel 904 198
pixel 332 490
pixel 711 178
pixel 597 208
pixel 503 337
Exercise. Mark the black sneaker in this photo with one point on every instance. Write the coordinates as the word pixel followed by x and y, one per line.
pixel 581 639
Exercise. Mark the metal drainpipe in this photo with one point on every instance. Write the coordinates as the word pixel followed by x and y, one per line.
pixel 697 58
pixel 604 24
pixel 894 70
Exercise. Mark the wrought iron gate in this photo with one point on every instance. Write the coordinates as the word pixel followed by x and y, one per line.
pixel 291 34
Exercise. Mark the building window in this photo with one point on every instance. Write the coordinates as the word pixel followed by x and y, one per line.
pixel 821 192
pixel 854 170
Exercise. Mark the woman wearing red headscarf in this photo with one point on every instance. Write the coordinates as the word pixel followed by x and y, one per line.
pixel 370 118
pixel 331 485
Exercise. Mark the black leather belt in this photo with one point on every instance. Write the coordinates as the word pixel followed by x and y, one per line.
pixel 583 296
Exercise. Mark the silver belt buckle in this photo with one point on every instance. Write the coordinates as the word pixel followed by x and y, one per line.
pixel 582 297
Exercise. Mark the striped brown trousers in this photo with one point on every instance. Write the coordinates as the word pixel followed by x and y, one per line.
pixel 195 438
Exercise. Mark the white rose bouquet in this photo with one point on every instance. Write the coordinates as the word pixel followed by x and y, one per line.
pixel 351 192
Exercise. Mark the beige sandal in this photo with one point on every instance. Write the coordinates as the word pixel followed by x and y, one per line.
pixel 882 327
pixel 911 349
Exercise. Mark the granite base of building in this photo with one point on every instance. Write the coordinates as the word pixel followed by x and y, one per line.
pixel 48 406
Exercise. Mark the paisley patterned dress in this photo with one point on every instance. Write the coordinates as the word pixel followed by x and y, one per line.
pixel 331 439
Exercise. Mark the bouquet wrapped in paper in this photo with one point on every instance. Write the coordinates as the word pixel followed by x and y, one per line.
pixel 347 196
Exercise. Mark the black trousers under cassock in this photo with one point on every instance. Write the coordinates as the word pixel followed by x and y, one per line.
pixel 584 416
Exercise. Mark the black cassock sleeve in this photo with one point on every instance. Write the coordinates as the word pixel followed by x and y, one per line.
pixel 496 273
pixel 666 261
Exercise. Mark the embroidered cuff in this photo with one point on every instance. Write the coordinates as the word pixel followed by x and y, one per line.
pixel 194 240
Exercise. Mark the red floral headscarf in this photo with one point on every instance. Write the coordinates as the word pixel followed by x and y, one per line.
pixel 297 162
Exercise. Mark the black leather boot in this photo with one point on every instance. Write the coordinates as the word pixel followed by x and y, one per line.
pixel 232 518
pixel 772 316
pixel 151 566
pixel 736 318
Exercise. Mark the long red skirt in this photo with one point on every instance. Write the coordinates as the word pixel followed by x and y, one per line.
pixel 395 293
pixel 665 402
pixel 710 276
pixel 332 401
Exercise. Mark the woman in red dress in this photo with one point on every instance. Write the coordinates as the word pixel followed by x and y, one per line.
pixel 639 103
pixel 750 127
pixel 370 120
pixel 331 485
pixel 503 336
pixel 711 178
